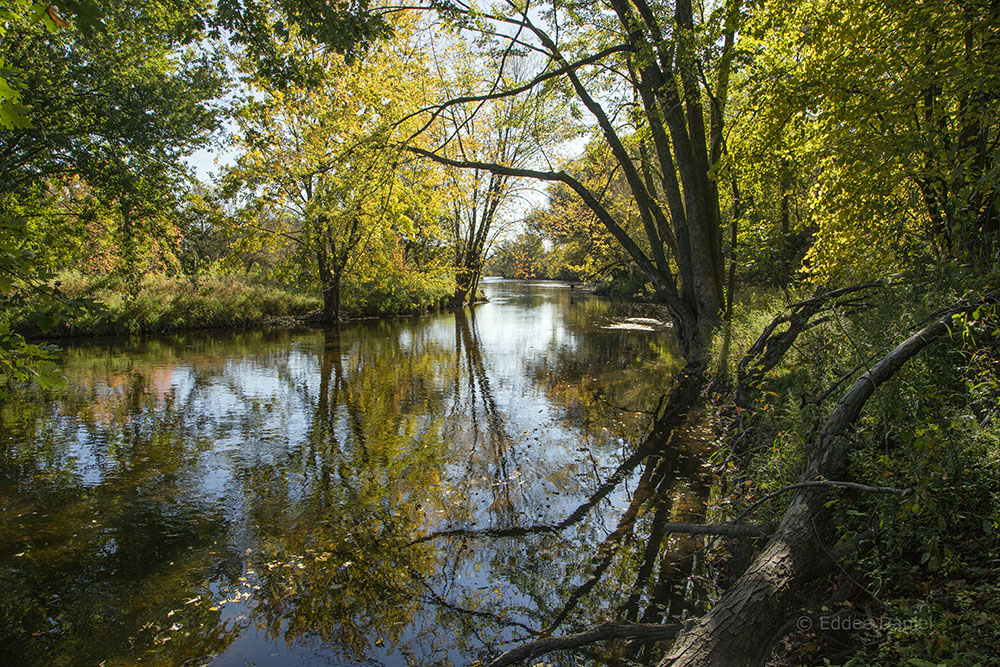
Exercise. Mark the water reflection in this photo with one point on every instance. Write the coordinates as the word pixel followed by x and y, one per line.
pixel 405 492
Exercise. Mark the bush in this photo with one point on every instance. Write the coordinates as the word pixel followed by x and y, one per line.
pixel 397 293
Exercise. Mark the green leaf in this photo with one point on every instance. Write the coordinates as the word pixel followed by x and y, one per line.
pixel 49 376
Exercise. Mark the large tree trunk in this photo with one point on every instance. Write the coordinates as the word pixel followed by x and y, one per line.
pixel 467 276
pixel 463 286
pixel 331 299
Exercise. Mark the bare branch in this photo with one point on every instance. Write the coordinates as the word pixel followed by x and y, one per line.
pixel 605 632
pixel 561 176
pixel 437 109
pixel 769 348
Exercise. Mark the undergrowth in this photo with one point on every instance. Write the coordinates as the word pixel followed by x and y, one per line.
pixel 926 593
pixel 156 303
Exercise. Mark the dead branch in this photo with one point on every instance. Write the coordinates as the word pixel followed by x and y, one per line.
pixel 720 529
pixel 770 347
pixel 822 483
pixel 605 632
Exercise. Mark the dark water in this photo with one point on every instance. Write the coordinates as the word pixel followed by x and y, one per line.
pixel 416 491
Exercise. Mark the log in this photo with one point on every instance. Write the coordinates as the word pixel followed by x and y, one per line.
pixel 770 347
pixel 605 632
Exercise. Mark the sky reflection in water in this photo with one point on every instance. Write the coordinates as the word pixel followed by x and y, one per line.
pixel 342 497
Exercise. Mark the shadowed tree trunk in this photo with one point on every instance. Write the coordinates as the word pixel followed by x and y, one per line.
pixel 334 250
pixel 330 282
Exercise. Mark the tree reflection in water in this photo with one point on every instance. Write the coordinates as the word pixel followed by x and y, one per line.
pixel 404 492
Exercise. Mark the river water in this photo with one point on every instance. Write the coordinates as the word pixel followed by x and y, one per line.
pixel 425 490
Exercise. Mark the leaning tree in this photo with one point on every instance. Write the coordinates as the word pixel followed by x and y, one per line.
pixel 652 80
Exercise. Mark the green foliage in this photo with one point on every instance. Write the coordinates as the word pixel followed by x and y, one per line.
pixel 933 429
pixel 21 362
pixel 122 106
pixel 564 239
pixel 349 28
pixel 397 293
pixel 27 291
pixel 320 176
pixel 91 175
pixel 13 113
pixel 875 123
pixel 520 257
pixel 938 549
pixel 158 303
pixel 99 175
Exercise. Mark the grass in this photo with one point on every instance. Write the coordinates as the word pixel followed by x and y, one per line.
pixel 157 303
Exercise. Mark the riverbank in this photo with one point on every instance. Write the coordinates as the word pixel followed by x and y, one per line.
pixel 921 588
pixel 155 303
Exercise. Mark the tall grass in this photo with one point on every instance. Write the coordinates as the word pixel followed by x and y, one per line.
pixel 159 303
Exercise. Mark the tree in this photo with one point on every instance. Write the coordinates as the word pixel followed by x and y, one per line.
pixel 119 108
pixel 510 131
pixel 319 157
pixel 349 27
pixel 581 245
pixel 105 118
pixel 13 113
pixel 521 257
pixel 115 113
pixel 649 64
pixel 896 106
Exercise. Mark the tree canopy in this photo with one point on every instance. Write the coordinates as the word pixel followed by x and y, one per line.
pixel 322 160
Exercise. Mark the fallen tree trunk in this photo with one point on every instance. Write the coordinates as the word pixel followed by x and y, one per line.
pixel 741 627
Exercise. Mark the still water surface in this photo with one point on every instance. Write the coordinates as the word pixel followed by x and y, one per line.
pixel 417 491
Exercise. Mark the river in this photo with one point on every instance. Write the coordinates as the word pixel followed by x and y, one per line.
pixel 412 491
